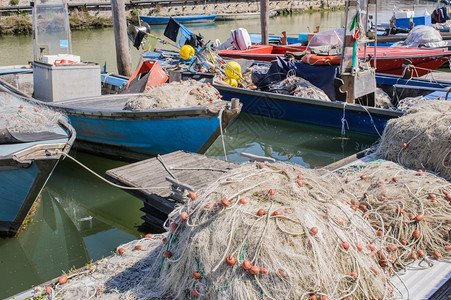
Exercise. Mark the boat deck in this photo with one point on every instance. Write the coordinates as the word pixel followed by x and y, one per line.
pixel 110 102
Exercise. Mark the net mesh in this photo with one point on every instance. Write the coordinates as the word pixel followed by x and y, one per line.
pixel 19 115
pixel 421 138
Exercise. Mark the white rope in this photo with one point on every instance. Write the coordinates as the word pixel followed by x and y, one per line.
pixel 109 182
pixel 372 121
pixel 222 134
pixel 344 122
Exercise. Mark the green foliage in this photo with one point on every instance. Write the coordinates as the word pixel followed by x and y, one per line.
pixel 19 24
pixel 22 13
pixel 13 2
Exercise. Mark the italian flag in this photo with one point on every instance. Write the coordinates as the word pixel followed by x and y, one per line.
pixel 354 36
pixel 354 28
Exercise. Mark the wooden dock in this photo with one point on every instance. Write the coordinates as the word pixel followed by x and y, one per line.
pixel 162 180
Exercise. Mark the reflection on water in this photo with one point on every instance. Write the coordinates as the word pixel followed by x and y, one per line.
pixel 51 243
pixel 79 218
pixel 308 145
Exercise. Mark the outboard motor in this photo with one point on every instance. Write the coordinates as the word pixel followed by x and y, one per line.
pixel 239 39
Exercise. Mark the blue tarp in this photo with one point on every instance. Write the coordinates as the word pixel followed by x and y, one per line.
pixel 322 77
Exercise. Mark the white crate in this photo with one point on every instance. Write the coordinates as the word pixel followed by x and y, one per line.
pixel 50 59
pixel 62 82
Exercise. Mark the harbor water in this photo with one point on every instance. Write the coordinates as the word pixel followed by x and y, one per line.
pixel 81 218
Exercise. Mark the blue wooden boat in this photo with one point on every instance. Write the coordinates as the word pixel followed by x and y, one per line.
pixel 104 128
pixel 181 19
pixel 27 157
pixel 334 114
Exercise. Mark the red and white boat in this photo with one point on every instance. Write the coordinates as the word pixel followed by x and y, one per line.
pixel 389 60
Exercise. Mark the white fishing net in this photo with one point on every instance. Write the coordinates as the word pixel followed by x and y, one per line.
pixel 18 115
pixel 176 94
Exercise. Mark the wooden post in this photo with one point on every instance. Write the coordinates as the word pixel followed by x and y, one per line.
pixel 264 17
pixel 120 37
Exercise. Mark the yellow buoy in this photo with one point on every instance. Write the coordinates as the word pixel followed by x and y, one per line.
pixel 187 52
pixel 233 70
pixel 231 81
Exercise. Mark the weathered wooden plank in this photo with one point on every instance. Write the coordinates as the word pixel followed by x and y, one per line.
pixel 148 175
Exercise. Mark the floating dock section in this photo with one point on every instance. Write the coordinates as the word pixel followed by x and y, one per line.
pixel 162 181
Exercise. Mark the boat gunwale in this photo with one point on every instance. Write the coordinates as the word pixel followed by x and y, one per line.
pixel 188 112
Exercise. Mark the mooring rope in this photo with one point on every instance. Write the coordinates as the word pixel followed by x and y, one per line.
pixel 222 134
pixel 108 181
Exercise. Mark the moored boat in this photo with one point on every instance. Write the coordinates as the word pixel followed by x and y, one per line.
pixel 336 114
pixel 153 20
pixel 33 140
pixel 105 128
pixel 242 16
pixel 388 60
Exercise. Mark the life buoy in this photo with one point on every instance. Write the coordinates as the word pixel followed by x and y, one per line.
pixel 321 60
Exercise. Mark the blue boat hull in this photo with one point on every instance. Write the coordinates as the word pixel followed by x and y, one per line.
pixel 132 140
pixel 180 19
pixel 323 113
pixel 19 187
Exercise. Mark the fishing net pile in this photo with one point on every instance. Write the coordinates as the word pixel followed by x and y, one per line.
pixel 383 100
pixel 411 211
pixel 107 278
pixel 18 115
pixel 273 231
pixel 299 87
pixel 284 232
pixel 421 138
pixel 406 103
pixel 176 94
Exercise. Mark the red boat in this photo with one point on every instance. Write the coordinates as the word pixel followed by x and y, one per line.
pixel 389 60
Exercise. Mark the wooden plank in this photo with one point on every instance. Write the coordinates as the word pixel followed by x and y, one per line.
pixel 149 176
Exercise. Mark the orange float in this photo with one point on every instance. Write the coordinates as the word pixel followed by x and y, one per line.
pixel 321 60
pixel 276 213
pixel 247 264
pixel 254 270
pixel 225 202
pixel 62 279
pixel 243 201
pixel 230 260
pixel 183 216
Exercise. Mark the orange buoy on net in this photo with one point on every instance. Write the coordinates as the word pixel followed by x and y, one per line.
pixel 243 201
pixel 197 275
pixel 225 202
pixel 321 60
pixel 62 279
pixel 183 216
pixel 230 260
pixel 247 264
pixel 254 270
